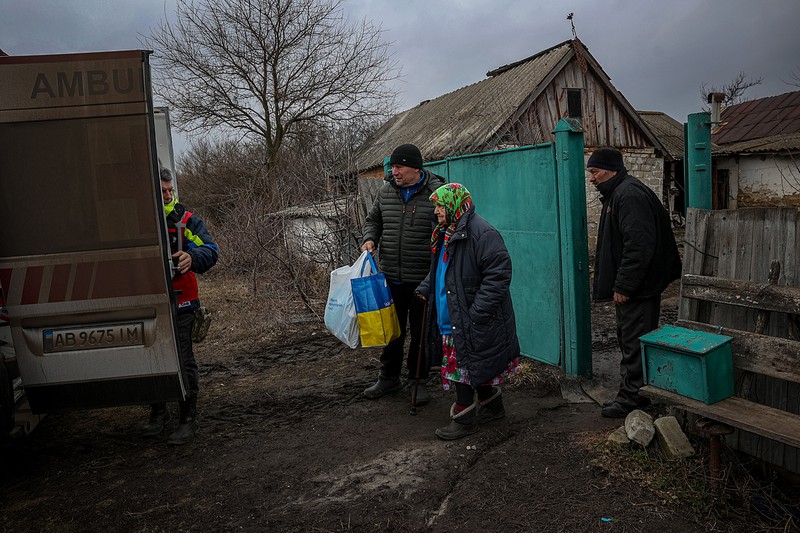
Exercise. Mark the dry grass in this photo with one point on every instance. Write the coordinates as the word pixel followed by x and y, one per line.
pixel 535 374
pixel 244 322
pixel 688 483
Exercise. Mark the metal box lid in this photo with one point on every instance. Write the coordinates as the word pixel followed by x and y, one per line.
pixel 686 340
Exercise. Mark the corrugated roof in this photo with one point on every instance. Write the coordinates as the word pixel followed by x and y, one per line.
pixel 466 119
pixel 757 119
pixel 470 119
pixel 776 143
pixel 668 130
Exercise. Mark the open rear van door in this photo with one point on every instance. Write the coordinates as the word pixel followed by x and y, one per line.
pixel 84 260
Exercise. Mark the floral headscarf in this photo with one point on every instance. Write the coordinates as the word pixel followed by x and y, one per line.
pixel 456 200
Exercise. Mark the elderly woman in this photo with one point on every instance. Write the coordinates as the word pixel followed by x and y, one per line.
pixel 471 322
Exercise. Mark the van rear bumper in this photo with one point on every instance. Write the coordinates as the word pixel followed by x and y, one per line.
pixel 140 390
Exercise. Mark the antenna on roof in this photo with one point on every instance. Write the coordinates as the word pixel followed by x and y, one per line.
pixel 569 18
pixel 577 45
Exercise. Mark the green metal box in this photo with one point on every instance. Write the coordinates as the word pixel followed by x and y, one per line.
pixel 691 363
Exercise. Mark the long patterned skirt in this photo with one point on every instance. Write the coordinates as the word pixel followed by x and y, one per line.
pixel 453 373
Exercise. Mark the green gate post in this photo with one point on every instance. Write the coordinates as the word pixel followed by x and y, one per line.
pixel 577 333
pixel 698 160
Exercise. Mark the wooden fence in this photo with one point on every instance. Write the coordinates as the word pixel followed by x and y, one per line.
pixel 740 245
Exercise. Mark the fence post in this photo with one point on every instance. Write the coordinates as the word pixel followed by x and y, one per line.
pixel 698 160
pixel 577 340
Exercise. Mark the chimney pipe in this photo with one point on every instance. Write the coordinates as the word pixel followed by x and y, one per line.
pixel 715 99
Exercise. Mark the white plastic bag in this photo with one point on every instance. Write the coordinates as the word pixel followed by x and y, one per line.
pixel 340 311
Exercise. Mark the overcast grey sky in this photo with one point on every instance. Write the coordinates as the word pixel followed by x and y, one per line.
pixel 657 53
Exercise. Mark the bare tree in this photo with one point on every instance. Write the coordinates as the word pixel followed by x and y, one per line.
pixel 733 91
pixel 266 70
pixel 794 78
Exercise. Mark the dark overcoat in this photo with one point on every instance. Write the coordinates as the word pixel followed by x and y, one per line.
pixel 637 255
pixel 478 282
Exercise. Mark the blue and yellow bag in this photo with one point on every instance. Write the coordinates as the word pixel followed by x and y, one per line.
pixel 377 316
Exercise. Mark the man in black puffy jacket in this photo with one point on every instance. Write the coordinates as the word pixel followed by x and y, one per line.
pixel 636 259
pixel 400 223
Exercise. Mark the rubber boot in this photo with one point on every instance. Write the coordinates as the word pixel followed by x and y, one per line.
pixel 383 387
pixel 187 426
pixel 159 416
pixel 464 423
pixel 491 408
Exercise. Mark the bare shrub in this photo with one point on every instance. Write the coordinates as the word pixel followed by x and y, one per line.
pixel 215 175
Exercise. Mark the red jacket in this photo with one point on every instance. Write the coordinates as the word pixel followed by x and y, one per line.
pixel 197 242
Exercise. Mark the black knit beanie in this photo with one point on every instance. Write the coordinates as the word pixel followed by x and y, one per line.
pixel 607 159
pixel 407 155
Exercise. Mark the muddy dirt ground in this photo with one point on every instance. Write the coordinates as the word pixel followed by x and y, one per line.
pixel 288 443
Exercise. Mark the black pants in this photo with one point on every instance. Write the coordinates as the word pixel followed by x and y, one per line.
pixel 191 377
pixel 409 309
pixel 465 394
pixel 634 319
pixel 189 372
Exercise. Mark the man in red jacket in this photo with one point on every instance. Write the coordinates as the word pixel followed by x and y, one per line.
pixel 193 252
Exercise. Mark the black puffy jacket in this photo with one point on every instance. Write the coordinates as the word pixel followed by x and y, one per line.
pixel 403 229
pixel 478 281
pixel 636 251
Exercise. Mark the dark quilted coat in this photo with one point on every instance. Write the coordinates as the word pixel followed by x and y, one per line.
pixel 478 281
pixel 402 230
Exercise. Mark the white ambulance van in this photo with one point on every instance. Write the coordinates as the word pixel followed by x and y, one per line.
pixel 84 260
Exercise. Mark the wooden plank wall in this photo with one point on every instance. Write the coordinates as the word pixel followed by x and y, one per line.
pixel 739 244
pixel 605 124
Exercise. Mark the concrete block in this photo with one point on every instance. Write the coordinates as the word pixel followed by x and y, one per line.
pixel 639 427
pixel 672 439
pixel 619 437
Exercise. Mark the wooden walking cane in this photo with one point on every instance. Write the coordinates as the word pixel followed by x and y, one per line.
pixel 420 356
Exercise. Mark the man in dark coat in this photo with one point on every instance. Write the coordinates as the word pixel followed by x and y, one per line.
pixel 400 222
pixel 636 259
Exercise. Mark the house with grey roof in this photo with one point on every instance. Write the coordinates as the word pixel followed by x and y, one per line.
pixel 670 132
pixel 756 154
pixel 519 104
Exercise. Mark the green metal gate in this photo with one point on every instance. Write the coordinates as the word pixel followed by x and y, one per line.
pixel 535 196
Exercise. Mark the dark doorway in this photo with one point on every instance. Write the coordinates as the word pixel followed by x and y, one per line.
pixel 720 189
